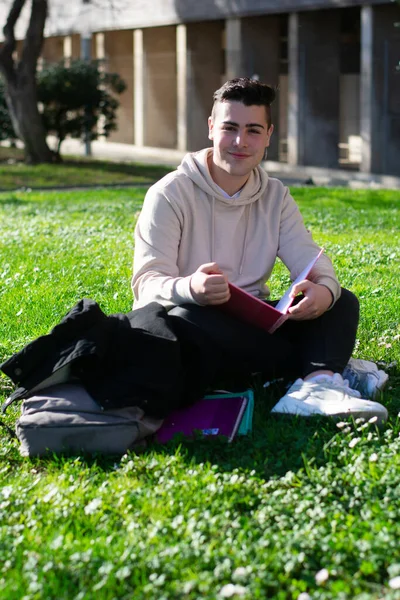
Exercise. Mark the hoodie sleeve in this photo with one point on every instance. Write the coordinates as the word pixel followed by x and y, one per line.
pixel 297 248
pixel 155 270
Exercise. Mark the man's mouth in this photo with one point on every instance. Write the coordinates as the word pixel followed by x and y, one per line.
pixel 239 155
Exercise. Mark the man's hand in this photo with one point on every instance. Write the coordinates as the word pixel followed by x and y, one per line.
pixel 317 299
pixel 209 285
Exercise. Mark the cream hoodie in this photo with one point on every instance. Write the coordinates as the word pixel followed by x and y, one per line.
pixel 186 222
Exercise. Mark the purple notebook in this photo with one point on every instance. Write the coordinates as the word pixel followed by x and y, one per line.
pixel 215 416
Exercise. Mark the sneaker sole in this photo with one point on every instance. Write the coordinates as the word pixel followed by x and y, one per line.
pixel 380 413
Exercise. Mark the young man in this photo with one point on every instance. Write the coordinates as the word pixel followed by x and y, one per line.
pixel 219 218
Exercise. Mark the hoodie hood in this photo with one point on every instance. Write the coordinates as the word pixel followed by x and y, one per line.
pixel 195 166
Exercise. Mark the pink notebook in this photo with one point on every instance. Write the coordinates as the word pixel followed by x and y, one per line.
pixel 256 312
pixel 211 416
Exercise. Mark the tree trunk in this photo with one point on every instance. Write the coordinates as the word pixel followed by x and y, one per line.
pixel 20 79
pixel 27 121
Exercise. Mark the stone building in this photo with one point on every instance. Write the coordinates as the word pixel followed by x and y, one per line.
pixel 335 63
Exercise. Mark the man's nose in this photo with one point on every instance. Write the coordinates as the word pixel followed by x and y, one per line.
pixel 240 138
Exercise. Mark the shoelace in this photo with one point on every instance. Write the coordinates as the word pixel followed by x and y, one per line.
pixel 336 380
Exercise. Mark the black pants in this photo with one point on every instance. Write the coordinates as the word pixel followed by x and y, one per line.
pixel 216 344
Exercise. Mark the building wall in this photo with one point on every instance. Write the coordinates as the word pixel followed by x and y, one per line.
pixel 118 56
pixel 260 56
pixel 205 65
pixel 53 49
pixel 159 84
pixel 69 17
pixel 319 51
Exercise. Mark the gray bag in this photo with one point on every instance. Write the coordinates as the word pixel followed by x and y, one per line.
pixel 65 418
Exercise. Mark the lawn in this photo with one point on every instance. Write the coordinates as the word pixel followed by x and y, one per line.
pixel 300 509
pixel 15 174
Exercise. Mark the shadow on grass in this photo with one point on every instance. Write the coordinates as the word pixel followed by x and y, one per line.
pixel 131 169
pixel 16 156
pixel 283 444
pixel 72 174
pixel 278 443
pixel 11 199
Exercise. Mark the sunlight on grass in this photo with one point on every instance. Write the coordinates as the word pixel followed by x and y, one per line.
pixel 301 509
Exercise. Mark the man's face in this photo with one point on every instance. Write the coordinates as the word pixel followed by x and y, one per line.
pixel 240 135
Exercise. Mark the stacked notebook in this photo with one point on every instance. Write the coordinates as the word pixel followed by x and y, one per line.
pixel 217 414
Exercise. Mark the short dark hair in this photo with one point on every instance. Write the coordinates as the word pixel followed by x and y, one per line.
pixel 249 92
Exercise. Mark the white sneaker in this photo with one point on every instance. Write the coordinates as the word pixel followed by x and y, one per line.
pixel 365 377
pixel 328 395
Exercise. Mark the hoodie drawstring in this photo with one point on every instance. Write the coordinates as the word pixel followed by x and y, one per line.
pixel 248 212
pixel 212 230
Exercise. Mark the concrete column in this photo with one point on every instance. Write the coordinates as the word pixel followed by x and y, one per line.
pixel 100 54
pixel 138 87
pixel 183 84
pixel 234 48
pixel 71 47
pixel 366 81
pixel 293 90
pixel 314 77
pixel 67 49
pixel 99 40
pixel 380 90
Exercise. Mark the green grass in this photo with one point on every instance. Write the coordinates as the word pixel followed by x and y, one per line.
pixel 260 518
pixel 15 174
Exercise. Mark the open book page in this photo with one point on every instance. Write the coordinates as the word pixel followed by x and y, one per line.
pixel 286 301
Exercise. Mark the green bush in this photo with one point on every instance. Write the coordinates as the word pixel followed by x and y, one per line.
pixel 79 99
pixel 76 100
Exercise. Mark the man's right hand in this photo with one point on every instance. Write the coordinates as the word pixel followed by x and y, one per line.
pixel 209 285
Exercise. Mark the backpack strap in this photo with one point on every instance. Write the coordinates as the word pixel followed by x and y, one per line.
pixel 10 432
pixel 3 409
pixel 18 394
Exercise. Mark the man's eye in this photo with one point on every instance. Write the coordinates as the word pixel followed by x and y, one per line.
pixel 257 131
pixel 228 128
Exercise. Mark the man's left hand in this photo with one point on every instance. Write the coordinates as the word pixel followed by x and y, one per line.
pixel 317 299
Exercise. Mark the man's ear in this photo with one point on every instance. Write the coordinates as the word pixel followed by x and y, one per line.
pixel 269 134
pixel 210 128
